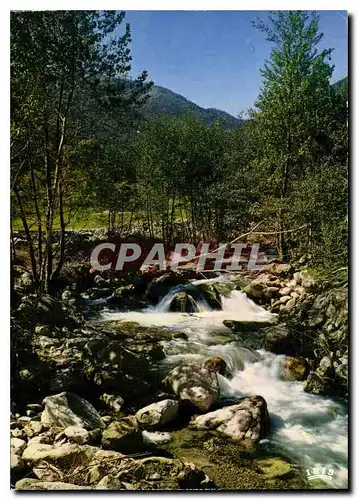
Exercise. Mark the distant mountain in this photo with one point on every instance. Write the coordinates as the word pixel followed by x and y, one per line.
pixel 342 86
pixel 165 101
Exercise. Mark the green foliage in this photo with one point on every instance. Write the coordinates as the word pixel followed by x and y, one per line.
pixel 183 173
pixel 163 101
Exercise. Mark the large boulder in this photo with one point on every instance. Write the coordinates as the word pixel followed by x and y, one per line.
pixel 248 421
pixel 66 408
pixel 123 435
pixel 195 384
pixel 157 414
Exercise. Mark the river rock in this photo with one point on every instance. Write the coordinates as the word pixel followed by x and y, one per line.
pixel 110 483
pixel 67 409
pixel 183 302
pixel 77 434
pixel 247 326
pixel 215 364
pixel 63 456
pixel 246 421
pixel 294 368
pixel 211 294
pixel 157 414
pixel 123 435
pixel 17 446
pixel 195 384
pixel 33 428
pixel 35 484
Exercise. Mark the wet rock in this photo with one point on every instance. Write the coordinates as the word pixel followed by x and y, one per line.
pixel 247 326
pixel 157 414
pixel 294 368
pixel 211 294
pixel 183 302
pixel 274 467
pixel 67 409
pixel 215 364
pixel 180 335
pixel 99 293
pixel 247 421
pixel 123 435
pixel 195 384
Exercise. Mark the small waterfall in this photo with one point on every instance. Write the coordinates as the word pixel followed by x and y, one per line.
pixel 311 429
pixel 199 304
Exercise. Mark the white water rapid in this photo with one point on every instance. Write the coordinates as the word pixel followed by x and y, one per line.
pixel 311 429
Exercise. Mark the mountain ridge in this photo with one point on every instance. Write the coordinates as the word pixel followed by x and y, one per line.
pixel 164 101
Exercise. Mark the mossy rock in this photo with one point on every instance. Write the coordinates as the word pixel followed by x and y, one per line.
pixel 274 467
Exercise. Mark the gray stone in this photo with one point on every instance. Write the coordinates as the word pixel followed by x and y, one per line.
pixel 195 384
pixel 77 434
pixel 33 428
pixel 35 484
pixel 17 446
pixel 110 483
pixel 157 414
pixel 246 421
pixel 67 409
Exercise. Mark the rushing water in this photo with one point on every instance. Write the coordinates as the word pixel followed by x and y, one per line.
pixel 311 429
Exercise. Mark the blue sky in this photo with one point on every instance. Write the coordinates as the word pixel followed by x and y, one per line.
pixel 213 58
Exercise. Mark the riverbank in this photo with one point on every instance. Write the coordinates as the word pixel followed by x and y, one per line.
pixel 199 349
